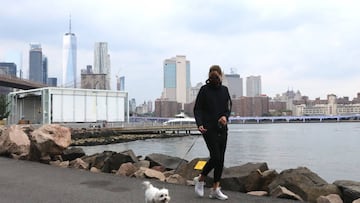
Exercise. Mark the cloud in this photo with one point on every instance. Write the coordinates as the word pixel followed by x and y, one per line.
pixel 290 43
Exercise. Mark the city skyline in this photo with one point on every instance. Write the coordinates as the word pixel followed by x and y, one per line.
pixel 300 45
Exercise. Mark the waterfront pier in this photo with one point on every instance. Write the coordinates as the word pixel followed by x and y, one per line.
pixel 294 119
pixel 267 119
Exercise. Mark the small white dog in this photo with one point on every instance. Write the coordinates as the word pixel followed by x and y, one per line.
pixel 155 195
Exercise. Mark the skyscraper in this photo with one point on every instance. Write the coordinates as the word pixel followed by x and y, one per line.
pixel 69 59
pixel 235 84
pixel 253 86
pixel 177 79
pixel 102 61
pixel 45 69
pixel 121 83
pixel 7 68
pixel 35 63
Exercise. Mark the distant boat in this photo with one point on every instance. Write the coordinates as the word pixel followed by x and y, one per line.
pixel 181 119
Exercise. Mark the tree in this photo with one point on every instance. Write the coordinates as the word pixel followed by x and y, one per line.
pixel 4 113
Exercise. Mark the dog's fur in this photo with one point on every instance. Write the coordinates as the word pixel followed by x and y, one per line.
pixel 155 195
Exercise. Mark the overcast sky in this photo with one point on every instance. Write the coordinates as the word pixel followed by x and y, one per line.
pixel 307 45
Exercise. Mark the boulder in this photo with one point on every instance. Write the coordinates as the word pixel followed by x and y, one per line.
pixel 127 169
pixel 169 162
pixel 283 192
pixel 356 201
pixel 244 178
pixel 332 198
pixel 188 171
pixel 266 178
pixel 131 154
pixel 153 174
pixel 114 162
pixel 176 179
pixel 79 164
pixel 98 160
pixel 61 164
pixel 142 163
pixel 161 169
pixel 49 139
pixel 14 142
pixel 95 170
pixel 72 153
pixel 305 183
pixel 350 190
pixel 140 173
pixel 149 173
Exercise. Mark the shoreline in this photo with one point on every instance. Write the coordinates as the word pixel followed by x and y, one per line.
pixel 104 136
pixel 300 122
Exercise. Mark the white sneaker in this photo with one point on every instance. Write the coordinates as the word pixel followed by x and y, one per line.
pixel 217 194
pixel 199 187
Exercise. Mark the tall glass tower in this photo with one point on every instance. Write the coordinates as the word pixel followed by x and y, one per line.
pixel 35 63
pixel 69 59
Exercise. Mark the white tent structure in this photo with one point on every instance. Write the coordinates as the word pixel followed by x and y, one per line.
pixel 68 105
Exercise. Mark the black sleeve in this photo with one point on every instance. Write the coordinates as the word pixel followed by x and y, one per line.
pixel 198 107
pixel 229 104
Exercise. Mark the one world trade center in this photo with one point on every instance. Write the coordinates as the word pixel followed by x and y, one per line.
pixel 69 59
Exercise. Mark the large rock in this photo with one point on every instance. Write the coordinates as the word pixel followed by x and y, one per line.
pixel 14 142
pixel 266 178
pixel 188 171
pixel 169 162
pixel 98 160
pixel 127 169
pixel 79 164
pixel 349 189
pixel 283 192
pixel 176 179
pixel 153 174
pixel 305 183
pixel 244 178
pixel 113 163
pixel 149 173
pixel 72 153
pixel 50 139
pixel 61 164
pixel 356 201
pixel 332 198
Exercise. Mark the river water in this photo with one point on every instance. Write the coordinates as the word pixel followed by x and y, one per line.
pixel 331 150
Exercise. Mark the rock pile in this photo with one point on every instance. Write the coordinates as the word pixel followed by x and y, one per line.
pixel 50 144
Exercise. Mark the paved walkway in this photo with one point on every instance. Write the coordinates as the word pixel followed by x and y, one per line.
pixel 30 182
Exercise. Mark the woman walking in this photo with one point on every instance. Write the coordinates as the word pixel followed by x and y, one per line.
pixel 212 110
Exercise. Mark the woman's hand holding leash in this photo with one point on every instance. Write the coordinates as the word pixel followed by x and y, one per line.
pixel 222 120
pixel 202 129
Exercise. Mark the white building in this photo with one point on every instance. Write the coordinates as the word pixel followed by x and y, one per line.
pixel 194 91
pixel 69 59
pixel 68 105
pixel 329 109
pixel 177 79
pixel 253 86
pixel 289 97
pixel 102 61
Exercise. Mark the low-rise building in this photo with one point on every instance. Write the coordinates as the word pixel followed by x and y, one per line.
pixel 68 105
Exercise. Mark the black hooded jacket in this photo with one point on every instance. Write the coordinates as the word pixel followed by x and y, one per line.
pixel 212 102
